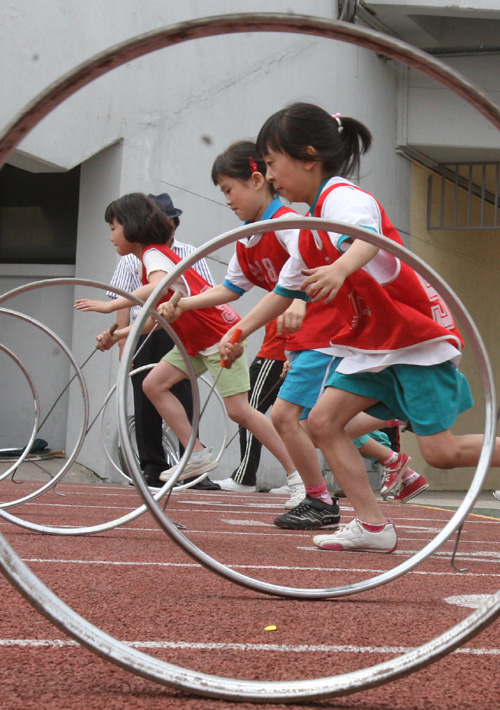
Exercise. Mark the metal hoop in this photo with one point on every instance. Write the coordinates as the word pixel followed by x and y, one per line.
pixel 29 585
pixel 484 368
pixel 83 389
pixel 36 403
pixel 82 530
pixel 175 457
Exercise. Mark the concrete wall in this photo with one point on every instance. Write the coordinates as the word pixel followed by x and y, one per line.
pixel 442 125
pixel 158 123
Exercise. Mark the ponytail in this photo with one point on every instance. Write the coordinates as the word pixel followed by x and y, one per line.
pixel 338 142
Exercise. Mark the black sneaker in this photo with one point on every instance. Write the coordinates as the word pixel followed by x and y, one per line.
pixel 309 514
pixel 206 484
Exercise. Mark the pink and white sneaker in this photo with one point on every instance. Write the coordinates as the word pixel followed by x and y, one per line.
pixel 355 537
pixel 394 472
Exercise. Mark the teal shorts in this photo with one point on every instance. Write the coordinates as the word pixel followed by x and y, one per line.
pixel 429 397
pixel 231 381
pixel 306 378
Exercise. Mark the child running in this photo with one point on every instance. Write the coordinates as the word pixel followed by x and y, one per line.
pixel 239 172
pixel 396 342
pixel 139 227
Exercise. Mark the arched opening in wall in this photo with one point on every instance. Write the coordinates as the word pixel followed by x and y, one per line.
pixel 38 216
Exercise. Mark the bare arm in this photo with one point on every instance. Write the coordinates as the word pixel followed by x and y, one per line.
pixel 123 320
pixel 215 296
pixel 324 282
pixel 269 308
pixel 87 304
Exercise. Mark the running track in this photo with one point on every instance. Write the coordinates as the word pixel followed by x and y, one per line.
pixel 139 586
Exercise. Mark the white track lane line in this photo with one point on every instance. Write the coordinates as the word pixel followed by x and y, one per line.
pixel 280 648
pixel 122 563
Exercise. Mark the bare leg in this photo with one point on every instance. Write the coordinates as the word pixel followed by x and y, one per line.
pixel 445 450
pixel 156 387
pixel 376 450
pixel 326 423
pixel 363 423
pixel 285 416
pixel 240 411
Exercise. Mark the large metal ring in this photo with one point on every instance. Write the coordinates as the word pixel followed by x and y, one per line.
pixel 101 527
pixel 167 435
pixel 484 369
pixel 81 436
pixel 36 406
pixel 52 607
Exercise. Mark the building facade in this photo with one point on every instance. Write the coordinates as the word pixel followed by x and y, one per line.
pixel 156 124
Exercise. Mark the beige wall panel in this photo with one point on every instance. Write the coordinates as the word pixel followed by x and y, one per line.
pixel 469 260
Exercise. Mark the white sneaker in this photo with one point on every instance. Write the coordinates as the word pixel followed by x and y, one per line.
pixel 292 480
pixel 229 484
pixel 354 537
pixel 497 494
pixel 282 490
pixel 198 463
pixel 298 495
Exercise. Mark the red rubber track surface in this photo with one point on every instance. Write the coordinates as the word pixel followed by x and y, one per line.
pixel 139 586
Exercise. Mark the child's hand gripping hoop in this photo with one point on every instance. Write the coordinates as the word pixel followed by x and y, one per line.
pixel 111 331
pixel 236 335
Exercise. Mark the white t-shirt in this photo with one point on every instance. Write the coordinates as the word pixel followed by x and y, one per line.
pixel 286 237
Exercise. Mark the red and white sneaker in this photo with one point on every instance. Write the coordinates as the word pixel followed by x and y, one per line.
pixel 393 473
pixel 412 485
pixel 395 422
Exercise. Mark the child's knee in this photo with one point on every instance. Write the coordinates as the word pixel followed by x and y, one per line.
pixel 277 419
pixel 319 423
pixel 150 386
pixel 284 419
pixel 146 386
pixel 438 456
pixel 236 413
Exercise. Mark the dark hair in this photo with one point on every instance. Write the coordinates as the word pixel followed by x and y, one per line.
pixel 236 162
pixel 339 143
pixel 142 219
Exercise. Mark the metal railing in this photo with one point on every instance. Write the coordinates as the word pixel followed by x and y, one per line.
pixel 464 196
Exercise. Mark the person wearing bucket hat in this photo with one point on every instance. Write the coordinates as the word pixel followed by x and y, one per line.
pixel 148 423
pixel 165 202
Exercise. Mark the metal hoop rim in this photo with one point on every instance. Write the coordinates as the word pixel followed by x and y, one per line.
pixel 36 401
pixel 82 530
pixel 485 371
pixel 198 683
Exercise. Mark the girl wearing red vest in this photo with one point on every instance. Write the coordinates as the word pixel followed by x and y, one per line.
pixel 139 227
pixel 258 261
pixel 398 343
